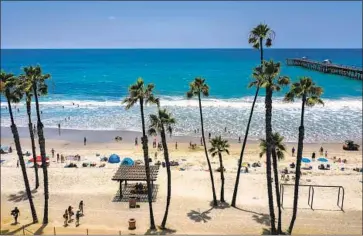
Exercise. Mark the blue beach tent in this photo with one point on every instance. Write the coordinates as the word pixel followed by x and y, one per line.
pixel 322 159
pixel 114 159
pixel 305 160
pixel 127 161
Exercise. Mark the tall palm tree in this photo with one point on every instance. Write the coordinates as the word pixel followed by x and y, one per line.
pixel 27 88
pixel 157 125
pixel 310 94
pixel 34 76
pixel 11 90
pixel 261 34
pixel 139 93
pixel 197 88
pixel 278 149
pixel 219 146
pixel 271 82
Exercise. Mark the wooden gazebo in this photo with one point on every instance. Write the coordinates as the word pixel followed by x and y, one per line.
pixel 134 173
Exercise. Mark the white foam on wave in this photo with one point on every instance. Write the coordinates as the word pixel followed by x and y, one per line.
pixel 335 104
pixel 338 120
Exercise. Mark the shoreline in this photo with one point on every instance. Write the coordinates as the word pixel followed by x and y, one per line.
pixel 107 136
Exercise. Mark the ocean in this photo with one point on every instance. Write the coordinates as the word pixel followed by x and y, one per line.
pixel 96 81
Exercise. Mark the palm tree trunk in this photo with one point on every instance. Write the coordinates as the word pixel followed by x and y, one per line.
pixel 30 125
pixel 277 190
pixel 166 157
pixel 147 166
pixel 222 176
pixel 243 150
pixel 300 147
pixel 268 104
pixel 41 140
pixel 215 203
pixel 14 130
pixel 234 197
pixel 261 50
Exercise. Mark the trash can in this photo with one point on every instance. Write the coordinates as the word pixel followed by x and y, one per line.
pixel 132 202
pixel 132 224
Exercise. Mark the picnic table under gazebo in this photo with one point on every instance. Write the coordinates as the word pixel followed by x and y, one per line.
pixel 134 174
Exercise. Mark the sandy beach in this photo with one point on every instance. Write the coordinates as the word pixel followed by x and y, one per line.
pixel 190 211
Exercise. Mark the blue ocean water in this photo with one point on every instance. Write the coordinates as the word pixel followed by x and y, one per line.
pixel 97 80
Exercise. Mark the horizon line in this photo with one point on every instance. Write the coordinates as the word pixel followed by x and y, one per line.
pixel 141 48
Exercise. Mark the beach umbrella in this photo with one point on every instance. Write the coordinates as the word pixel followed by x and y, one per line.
pixel 38 159
pixel 114 159
pixel 127 161
pixel 322 159
pixel 305 160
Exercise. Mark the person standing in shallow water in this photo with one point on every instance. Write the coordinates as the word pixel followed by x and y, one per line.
pixel 209 135
pixel 136 141
pixel 239 139
pixel 59 128
pixel 321 151
pixel 84 141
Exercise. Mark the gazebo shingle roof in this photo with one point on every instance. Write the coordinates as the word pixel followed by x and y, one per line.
pixel 135 173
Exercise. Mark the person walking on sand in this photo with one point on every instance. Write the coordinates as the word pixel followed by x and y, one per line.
pixel 80 206
pixel 313 156
pixel 17 164
pixel 321 150
pixel 70 213
pixel 65 217
pixel 59 129
pixel 136 141
pixel 52 152
pixel 326 153
pixel 84 141
pixel 57 157
pixel 78 215
pixel 293 151
pixel 201 141
pixel 176 145
pixel 16 214
pixel 156 155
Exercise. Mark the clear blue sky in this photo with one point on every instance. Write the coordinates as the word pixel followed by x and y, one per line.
pixel 178 24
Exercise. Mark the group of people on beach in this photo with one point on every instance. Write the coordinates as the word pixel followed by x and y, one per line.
pixel 67 216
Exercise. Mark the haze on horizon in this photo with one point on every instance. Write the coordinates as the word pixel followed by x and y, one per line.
pixel 125 24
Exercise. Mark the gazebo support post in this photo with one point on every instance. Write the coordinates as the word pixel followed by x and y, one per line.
pixel 120 188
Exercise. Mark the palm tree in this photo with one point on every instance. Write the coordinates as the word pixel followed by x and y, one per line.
pixel 310 95
pixel 28 91
pixel 259 35
pixel 10 89
pixel 139 93
pixel 219 146
pixel 157 125
pixel 197 88
pixel 271 82
pixel 37 79
pixel 278 149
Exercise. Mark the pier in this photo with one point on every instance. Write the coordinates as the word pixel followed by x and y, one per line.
pixel 327 67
